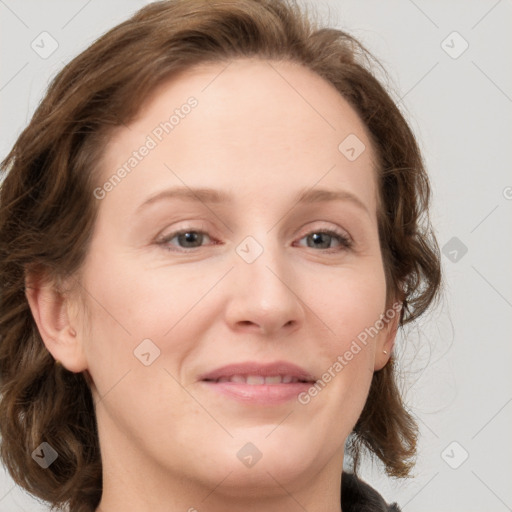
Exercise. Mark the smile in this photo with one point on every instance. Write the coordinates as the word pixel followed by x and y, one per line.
pixel 257 383
pixel 258 380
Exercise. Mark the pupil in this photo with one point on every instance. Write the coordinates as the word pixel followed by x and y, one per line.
pixel 190 236
pixel 317 237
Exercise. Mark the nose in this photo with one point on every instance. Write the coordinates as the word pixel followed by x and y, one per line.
pixel 264 299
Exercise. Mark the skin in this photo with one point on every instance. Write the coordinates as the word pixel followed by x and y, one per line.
pixel 263 132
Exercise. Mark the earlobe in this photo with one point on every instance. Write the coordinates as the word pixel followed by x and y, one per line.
pixel 49 309
pixel 386 341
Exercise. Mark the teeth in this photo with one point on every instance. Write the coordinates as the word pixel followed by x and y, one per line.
pixel 258 380
pixel 273 380
pixel 255 380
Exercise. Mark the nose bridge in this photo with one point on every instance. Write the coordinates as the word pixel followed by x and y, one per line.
pixel 261 261
pixel 264 292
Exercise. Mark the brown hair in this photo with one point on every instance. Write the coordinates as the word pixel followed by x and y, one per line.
pixel 47 213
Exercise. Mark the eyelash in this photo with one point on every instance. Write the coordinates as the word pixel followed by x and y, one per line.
pixel 345 242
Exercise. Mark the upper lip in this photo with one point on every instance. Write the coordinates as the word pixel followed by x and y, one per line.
pixel 262 369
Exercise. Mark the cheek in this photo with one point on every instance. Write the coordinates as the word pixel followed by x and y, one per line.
pixel 128 308
pixel 353 304
pixel 351 307
pixel 129 304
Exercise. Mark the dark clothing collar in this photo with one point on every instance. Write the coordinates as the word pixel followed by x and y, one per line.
pixel 358 496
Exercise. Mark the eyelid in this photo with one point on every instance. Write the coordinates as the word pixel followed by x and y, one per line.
pixel 163 238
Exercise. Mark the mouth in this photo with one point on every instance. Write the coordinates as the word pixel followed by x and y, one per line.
pixel 259 380
pixel 255 383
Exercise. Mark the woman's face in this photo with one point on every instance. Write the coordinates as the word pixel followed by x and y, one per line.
pixel 261 278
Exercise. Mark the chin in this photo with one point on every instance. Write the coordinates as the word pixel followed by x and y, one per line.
pixel 255 464
pixel 264 478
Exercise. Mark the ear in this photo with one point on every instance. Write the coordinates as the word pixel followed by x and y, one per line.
pixel 50 309
pixel 386 340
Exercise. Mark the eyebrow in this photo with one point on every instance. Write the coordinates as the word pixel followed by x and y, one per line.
pixel 213 196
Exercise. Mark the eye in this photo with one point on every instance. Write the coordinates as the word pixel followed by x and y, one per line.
pixel 322 239
pixel 190 238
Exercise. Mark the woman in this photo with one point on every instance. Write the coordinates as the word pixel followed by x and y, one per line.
pixel 210 233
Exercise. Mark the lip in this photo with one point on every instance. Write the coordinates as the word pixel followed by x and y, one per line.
pixel 259 394
pixel 260 369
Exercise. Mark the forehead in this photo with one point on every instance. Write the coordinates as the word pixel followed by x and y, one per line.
pixel 256 125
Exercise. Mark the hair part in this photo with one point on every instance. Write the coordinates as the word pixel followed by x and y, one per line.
pixel 47 216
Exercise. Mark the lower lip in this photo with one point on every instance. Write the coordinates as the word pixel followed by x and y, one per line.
pixel 261 394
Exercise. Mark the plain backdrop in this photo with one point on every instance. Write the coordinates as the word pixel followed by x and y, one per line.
pixel 449 64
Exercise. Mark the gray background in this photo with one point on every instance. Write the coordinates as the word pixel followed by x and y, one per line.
pixel 457 360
